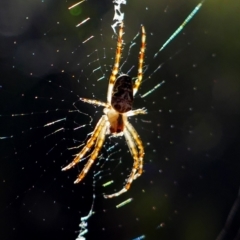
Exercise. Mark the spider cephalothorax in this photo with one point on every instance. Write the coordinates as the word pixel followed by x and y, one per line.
pixel 118 108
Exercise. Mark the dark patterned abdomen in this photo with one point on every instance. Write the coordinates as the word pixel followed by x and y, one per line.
pixel 122 95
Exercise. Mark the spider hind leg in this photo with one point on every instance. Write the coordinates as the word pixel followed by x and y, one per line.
pixel 140 63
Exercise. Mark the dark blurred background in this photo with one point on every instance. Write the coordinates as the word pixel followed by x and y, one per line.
pixel 191 166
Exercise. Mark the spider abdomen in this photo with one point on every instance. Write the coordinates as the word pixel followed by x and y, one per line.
pixel 122 94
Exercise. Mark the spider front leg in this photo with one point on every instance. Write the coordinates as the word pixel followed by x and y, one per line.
pixel 94 154
pixel 138 142
pixel 135 155
pixel 89 144
pixel 112 78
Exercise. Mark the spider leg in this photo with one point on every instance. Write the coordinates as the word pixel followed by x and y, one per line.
pixel 95 102
pixel 140 64
pixel 136 112
pixel 139 144
pixel 112 78
pixel 94 154
pixel 101 123
pixel 136 164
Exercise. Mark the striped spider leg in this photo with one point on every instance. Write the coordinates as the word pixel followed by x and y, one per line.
pixel 118 108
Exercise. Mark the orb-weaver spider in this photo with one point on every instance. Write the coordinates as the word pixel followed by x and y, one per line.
pixel 117 109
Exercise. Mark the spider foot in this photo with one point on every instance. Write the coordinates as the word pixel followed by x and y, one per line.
pixel 143 111
pixel 78 180
pixel 68 166
pixel 116 194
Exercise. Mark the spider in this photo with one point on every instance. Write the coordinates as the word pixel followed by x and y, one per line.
pixel 117 109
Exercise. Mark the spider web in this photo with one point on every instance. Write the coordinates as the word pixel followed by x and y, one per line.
pixel 188 171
